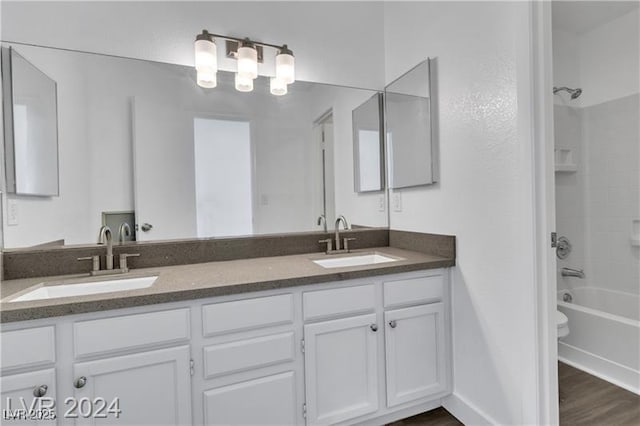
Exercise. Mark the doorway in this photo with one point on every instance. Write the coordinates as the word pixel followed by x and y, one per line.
pixel 223 177
pixel 323 152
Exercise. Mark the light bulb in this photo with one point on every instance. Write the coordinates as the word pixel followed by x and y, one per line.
pixel 243 84
pixel 206 52
pixel 207 78
pixel 248 61
pixel 285 65
pixel 278 87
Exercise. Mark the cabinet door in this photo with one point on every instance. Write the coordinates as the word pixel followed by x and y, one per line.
pixel 153 387
pixel 341 369
pixel 267 400
pixel 415 353
pixel 18 394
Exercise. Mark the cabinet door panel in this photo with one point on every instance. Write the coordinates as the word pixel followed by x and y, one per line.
pixel 153 387
pixel 415 353
pixel 267 400
pixel 341 369
pixel 17 388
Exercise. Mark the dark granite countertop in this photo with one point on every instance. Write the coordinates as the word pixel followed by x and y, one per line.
pixel 186 282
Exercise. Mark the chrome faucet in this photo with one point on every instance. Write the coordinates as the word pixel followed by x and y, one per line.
pixel 568 272
pixel 322 220
pixel 345 224
pixel 123 232
pixel 105 237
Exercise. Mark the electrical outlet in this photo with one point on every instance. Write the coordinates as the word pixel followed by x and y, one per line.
pixel 381 203
pixel 397 201
pixel 12 212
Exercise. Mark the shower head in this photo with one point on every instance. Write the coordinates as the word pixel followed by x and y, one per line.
pixel 575 93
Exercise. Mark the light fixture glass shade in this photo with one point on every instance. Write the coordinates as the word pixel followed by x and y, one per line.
pixel 285 66
pixel 248 62
pixel 278 87
pixel 206 55
pixel 207 78
pixel 243 84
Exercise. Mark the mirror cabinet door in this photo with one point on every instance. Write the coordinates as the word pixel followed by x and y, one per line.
pixel 412 148
pixel 368 146
pixel 31 127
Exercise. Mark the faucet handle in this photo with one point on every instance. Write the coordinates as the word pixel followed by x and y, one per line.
pixel 346 242
pixel 94 259
pixel 329 243
pixel 123 260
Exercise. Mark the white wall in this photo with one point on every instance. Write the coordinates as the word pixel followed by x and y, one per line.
pixel 322 35
pixel 483 197
pixel 602 61
pixel 566 65
pixel 609 66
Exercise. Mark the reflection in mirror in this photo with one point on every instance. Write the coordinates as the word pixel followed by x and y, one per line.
pixel 30 126
pixel 368 146
pixel 412 147
pixel 142 137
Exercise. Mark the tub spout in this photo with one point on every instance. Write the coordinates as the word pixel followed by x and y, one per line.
pixel 568 272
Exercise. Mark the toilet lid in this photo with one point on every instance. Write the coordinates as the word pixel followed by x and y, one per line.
pixel 561 319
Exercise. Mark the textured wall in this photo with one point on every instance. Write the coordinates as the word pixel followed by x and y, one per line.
pixel 483 196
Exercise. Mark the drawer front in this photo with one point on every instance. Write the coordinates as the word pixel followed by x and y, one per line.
pixel 27 348
pixel 247 354
pixel 339 301
pixel 412 291
pixel 130 332
pixel 247 314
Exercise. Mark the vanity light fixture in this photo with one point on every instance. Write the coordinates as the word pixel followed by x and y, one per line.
pixel 206 60
pixel 243 84
pixel 278 87
pixel 248 53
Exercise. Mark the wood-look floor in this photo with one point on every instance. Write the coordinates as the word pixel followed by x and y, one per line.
pixel 437 417
pixel 585 400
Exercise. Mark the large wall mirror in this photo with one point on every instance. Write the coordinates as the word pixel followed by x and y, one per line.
pixel 30 125
pixel 411 128
pixel 140 142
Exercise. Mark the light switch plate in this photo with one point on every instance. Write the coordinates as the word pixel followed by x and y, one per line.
pixel 381 203
pixel 397 201
pixel 12 212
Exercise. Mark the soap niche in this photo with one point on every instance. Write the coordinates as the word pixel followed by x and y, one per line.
pixel 564 161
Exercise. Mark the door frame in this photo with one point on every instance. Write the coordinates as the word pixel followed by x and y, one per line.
pixel 542 134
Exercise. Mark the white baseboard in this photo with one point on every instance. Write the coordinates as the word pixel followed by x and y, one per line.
pixel 595 365
pixel 465 411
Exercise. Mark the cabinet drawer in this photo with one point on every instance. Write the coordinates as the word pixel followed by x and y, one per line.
pixel 269 400
pixel 411 291
pixel 339 301
pixel 246 354
pixel 130 332
pixel 240 315
pixel 27 348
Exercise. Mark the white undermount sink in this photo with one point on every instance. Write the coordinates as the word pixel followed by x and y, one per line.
pixel 355 260
pixel 50 291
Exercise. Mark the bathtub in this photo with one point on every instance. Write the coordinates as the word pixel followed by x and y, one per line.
pixel 604 334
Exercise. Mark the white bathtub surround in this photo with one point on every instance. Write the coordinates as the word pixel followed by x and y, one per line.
pixel 605 334
pixel 597 205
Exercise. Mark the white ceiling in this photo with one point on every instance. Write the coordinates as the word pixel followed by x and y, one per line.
pixel 582 16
